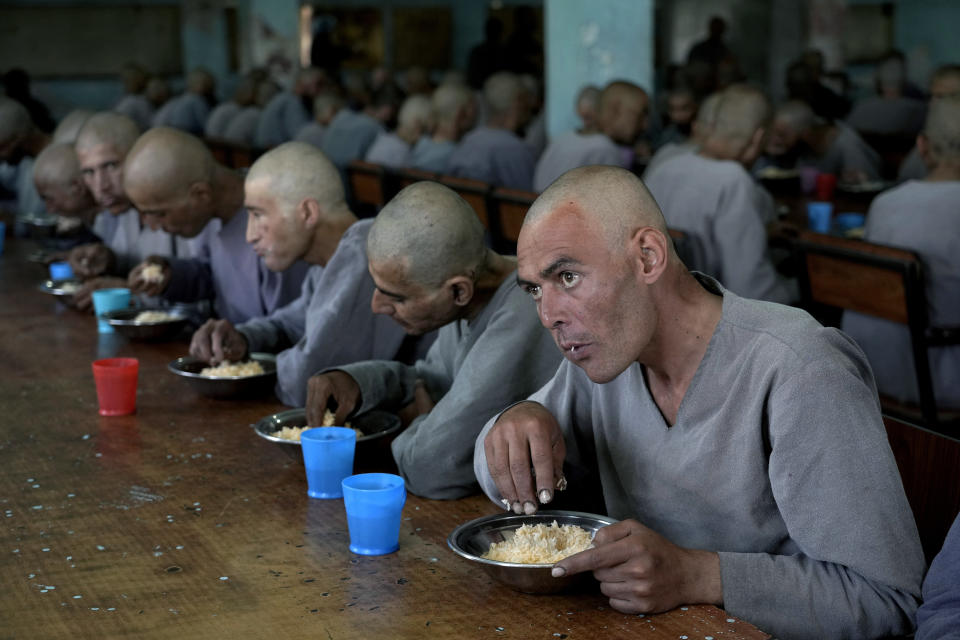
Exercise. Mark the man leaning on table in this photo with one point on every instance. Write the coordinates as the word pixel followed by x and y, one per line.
pixel 432 270
pixel 740 441
pixel 297 211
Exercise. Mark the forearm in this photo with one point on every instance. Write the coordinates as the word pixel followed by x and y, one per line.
pixel 384 384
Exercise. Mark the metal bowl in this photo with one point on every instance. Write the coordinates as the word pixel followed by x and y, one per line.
pixel 62 288
pixel 189 369
pixel 123 321
pixel 375 425
pixel 472 539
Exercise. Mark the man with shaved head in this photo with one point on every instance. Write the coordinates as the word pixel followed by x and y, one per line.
pixel 173 180
pixel 739 442
pixel 945 83
pixel 493 152
pixel 394 149
pixel 297 211
pixel 455 114
pixel 20 142
pixel 622 118
pixel 710 196
pixel 101 146
pixel 433 271
pixel 56 175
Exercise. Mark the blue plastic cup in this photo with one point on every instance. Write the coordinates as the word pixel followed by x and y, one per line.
pixel 105 300
pixel 374 503
pixel 850 220
pixel 3 234
pixel 60 270
pixel 328 459
pixel 818 216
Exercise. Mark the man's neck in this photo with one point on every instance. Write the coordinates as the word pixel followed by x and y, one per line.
pixel 944 172
pixel 496 270
pixel 326 238
pixel 445 132
pixel 228 193
pixel 505 122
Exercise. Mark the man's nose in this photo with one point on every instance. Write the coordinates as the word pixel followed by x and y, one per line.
pixel 380 304
pixel 251 235
pixel 551 314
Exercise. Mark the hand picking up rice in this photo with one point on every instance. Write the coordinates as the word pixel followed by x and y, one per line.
pixel 233 370
pixel 540 544
pixel 293 433
pixel 155 316
pixel 152 273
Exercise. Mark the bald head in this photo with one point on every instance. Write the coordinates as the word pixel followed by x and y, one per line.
pixel 611 199
pixel 797 115
pixel 108 128
pixel 70 126
pixel 942 130
pixel 56 175
pixel 432 231
pixel 164 162
pixel 623 111
pixel 945 82
pixel 448 100
pixel 14 121
pixel 502 91
pixel 741 111
pixel 297 171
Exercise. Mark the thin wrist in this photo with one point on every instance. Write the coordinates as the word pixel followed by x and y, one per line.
pixel 707 584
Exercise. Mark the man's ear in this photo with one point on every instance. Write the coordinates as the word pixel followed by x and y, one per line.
pixel 650 249
pixel 309 212
pixel 201 191
pixel 461 288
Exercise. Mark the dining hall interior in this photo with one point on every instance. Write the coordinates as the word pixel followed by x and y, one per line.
pixel 480 318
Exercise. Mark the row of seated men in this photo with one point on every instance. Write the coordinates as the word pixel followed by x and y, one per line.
pixel 739 442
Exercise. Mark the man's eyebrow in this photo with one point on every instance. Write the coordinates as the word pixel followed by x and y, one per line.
pixel 559 263
pixel 389 293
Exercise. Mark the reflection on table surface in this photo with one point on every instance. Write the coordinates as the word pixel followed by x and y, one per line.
pixel 180 520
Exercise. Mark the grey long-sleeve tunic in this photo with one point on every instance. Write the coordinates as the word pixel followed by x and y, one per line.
pixel 472 370
pixel 778 460
pixel 330 324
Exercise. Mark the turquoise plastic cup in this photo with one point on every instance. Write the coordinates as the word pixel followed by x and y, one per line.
pixel 328 459
pixel 374 504
pixel 105 300
pixel 819 215
pixel 60 270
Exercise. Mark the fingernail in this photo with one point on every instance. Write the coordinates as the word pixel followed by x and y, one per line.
pixel 517 508
pixel 561 484
pixel 558 572
pixel 529 508
pixel 505 503
pixel 545 496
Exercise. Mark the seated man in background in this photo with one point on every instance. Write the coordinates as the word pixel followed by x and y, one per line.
pixel 222 114
pixel 681 114
pixel 493 152
pixel 189 111
pixel 799 138
pixel 173 180
pixel 944 83
pixel 349 135
pixel 20 142
pixel 587 106
pixel 394 149
pixel 56 175
pixel 699 132
pixel 242 128
pixel 622 118
pixel 710 196
pixel 921 215
pixel 325 106
pixel 889 112
pixel 134 104
pixel 432 271
pixel 455 113
pixel 288 111
pixel 101 146
pixel 297 211
pixel 739 442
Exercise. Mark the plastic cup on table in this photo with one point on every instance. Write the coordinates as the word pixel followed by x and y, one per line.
pixel 825 184
pixel 116 380
pixel 374 504
pixel 819 216
pixel 105 300
pixel 328 459
pixel 60 270
pixel 808 179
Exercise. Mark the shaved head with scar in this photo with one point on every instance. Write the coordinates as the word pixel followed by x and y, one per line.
pixel 173 180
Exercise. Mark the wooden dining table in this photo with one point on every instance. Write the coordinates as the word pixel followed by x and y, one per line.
pixel 180 521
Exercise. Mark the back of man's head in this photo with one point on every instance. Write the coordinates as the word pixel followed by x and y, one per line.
pixel 165 162
pixel 942 130
pixel 945 81
pixel 108 128
pixel 298 171
pixel 588 104
pixel 448 100
pixel 326 105
pixel 157 91
pixel 432 231
pixel 623 111
pixel 741 112
pixel 797 115
pixel 70 126
pixel 309 81
pixel 416 116
pixel 501 92
pixel 15 121
pixel 56 165
pixel 201 82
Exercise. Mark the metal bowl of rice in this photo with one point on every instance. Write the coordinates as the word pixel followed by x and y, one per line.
pixel 377 427
pixel 146 324
pixel 473 539
pixel 246 386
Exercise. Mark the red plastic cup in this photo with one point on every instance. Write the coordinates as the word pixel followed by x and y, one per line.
pixel 116 380
pixel 826 183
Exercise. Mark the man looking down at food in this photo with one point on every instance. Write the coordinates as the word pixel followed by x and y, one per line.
pixel 432 270
pixel 173 180
pixel 297 211
pixel 739 441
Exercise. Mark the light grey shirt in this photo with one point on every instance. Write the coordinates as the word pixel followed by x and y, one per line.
pixel 228 271
pixel 430 155
pixel 717 204
pixel 912 167
pixel 495 156
pixel 187 112
pixel 473 369
pixel 778 460
pixel 136 107
pixel 243 127
pixel 311 133
pixel 220 118
pixel 330 324
pixel 133 242
pixel 280 120
pixel 877 114
pixel 572 150
pixel 348 136
pixel 390 150
pixel 667 151
pixel 923 217
pixel 848 152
